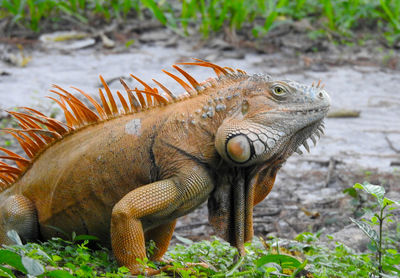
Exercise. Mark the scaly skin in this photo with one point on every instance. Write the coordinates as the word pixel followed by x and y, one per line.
pixel 126 180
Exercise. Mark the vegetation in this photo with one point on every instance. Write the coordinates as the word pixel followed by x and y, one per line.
pixel 304 257
pixel 337 19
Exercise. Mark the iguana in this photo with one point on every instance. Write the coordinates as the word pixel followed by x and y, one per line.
pixel 126 173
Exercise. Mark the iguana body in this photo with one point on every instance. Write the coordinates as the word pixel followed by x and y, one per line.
pixel 126 177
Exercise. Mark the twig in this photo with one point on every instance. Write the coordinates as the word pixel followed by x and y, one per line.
pixel 391 144
pixel 331 168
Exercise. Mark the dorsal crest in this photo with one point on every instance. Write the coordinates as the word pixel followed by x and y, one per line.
pixel 37 131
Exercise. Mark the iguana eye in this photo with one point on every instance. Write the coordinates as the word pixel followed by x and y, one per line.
pixel 279 90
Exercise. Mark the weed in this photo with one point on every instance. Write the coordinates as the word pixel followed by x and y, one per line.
pixel 383 204
pixel 341 18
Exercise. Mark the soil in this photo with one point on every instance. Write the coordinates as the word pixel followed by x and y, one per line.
pixel 362 140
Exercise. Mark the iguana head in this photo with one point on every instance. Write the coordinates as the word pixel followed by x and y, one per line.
pixel 272 120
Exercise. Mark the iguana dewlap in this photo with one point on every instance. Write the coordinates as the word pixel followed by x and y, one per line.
pixel 126 174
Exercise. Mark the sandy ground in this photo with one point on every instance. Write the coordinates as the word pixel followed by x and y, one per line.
pixel 308 193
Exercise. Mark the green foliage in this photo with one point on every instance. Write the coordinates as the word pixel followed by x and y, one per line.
pixel 222 260
pixel 303 257
pixel 341 18
pixel 58 258
pixel 378 218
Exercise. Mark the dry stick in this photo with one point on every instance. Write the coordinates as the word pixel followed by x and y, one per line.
pixel 331 168
pixel 393 148
pixel 391 144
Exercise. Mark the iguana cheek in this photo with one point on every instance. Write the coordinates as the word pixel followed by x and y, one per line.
pixel 238 149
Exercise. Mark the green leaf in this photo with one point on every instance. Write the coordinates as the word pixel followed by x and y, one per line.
pixel 388 268
pixel 375 190
pixel 184 240
pixel 285 261
pixel 152 5
pixel 351 191
pixel 5 272
pixel 273 268
pixel 13 235
pixel 388 202
pixel 34 267
pixel 367 230
pixel 235 267
pixel 59 274
pixel 12 259
pixel 372 246
pixel 299 269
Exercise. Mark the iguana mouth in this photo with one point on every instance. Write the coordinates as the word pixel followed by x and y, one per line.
pixel 312 132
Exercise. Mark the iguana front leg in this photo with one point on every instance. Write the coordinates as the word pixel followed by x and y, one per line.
pixel 161 201
pixel 161 235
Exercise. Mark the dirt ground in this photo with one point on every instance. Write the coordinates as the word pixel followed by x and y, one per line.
pixel 362 140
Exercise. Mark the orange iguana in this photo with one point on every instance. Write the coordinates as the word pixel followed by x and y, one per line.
pixel 126 174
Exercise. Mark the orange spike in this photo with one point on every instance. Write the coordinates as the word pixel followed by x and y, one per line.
pixel 6 178
pixel 110 96
pixel 56 125
pixel 168 92
pixel 105 104
pixel 230 69
pixel 140 97
pixel 26 128
pixel 32 145
pixel 157 96
pixel 123 102
pixel 189 78
pixel 52 124
pixel 98 107
pixel 241 71
pixel 319 83
pixel 84 111
pixel 149 100
pixel 18 160
pixel 135 105
pixel 147 87
pixel 23 144
pixel 142 82
pixel 23 118
pixel 27 123
pixel 36 138
pixel 218 70
pixel 47 133
pixel 182 83
pixel 10 153
pixel 33 110
pixel 79 116
pixel 10 169
pixel 71 121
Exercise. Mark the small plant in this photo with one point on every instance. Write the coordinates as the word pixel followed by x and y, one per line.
pixel 383 205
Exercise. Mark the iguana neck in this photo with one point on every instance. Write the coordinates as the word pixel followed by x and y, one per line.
pixel 208 110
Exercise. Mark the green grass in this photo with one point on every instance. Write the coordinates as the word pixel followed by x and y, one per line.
pixel 60 258
pixel 341 18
